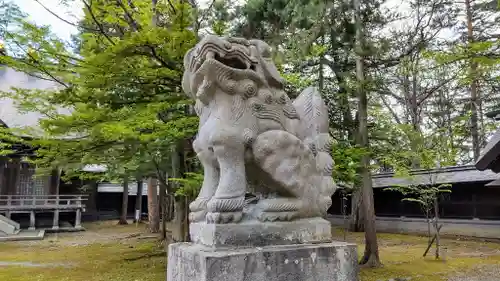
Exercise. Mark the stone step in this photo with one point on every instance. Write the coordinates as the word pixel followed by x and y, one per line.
pixel 8 226
pixel 24 235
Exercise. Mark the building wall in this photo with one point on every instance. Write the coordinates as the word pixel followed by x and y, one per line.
pixel 471 209
pixel 8 110
pixel 453 227
pixel 466 201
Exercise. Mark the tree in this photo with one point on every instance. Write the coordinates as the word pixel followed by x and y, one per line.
pixel 123 77
pixel 153 208
pixel 370 257
pixel 189 187
pixel 473 52
pixel 123 216
pixel 427 196
pixel 433 150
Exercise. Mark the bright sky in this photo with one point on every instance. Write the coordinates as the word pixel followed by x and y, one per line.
pixel 41 16
pixel 73 11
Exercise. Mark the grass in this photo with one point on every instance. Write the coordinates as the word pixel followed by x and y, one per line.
pixel 401 256
pixel 108 252
pixel 115 259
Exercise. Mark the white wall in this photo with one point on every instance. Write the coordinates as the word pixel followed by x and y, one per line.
pixel 118 188
pixel 9 112
pixel 454 227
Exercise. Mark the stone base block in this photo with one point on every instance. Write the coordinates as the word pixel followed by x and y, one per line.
pixel 334 261
pixel 254 233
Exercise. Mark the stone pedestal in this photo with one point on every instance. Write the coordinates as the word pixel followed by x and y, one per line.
pixel 333 261
pixel 253 233
pixel 300 250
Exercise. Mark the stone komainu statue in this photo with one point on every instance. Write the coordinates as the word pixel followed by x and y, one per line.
pixel 253 138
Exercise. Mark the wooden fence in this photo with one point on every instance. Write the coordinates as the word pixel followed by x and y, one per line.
pixel 33 204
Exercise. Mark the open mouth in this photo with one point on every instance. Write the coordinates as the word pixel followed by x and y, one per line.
pixel 232 60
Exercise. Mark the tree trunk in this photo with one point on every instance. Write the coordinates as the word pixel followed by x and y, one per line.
pixel 163 208
pixel 123 217
pixel 153 208
pixel 436 224
pixel 357 218
pixel 474 94
pixel 429 234
pixel 138 202
pixel 178 224
pixel 185 221
pixel 371 255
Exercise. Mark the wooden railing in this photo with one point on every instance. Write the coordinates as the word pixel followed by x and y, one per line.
pixel 33 204
pixel 41 202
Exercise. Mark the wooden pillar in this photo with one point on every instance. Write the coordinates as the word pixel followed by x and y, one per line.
pixel 138 202
pixel 55 180
pixel 52 182
pixel 15 173
pixel 78 218
pixel 55 222
pixel 32 220
pixel 3 182
pixel 91 203
pixel 9 202
pixel 474 206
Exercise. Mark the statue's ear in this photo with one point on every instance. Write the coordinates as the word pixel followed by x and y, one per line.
pixel 268 66
pixel 187 58
pixel 272 72
pixel 186 77
pixel 186 85
pixel 312 111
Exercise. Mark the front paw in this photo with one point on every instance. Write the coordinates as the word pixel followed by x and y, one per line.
pixel 276 216
pixel 224 205
pixel 200 204
pixel 197 216
pixel 229 217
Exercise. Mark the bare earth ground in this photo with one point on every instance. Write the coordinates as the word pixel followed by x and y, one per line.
pixel 109 252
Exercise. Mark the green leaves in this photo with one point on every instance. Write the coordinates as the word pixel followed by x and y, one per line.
pixel 126 73
pixel 347 160
pixel 189 186
pixel 424 195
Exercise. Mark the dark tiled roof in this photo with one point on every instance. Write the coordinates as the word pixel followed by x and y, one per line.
pixel 457 174
pixel 490 155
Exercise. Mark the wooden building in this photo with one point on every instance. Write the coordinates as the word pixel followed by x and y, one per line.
pixel 471 195
pixel 490 155
pixel 471 209
pixel 22 193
